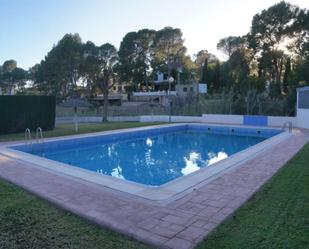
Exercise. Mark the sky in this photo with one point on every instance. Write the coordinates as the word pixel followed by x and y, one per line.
pixel 30 28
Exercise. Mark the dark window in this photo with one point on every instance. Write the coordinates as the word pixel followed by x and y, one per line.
pixel 191 89
pixel 185 89
pixel 303 100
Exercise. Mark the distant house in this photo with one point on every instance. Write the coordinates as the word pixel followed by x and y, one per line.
pixel 185 90
pixel 118 88
pixel 161 83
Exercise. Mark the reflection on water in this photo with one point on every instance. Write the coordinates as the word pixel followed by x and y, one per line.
pixel 213 158
pixel 117 172
pixel 155 160
pixel 149 142
pixel 191 164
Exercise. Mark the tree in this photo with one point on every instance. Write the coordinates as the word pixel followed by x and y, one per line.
pixel 203 78
pixel 9 65
pixel 202 58
pixel 135 55
pixel 12 76
pixel 271 26
pixel 59 72
pixel 286 76
pixel 216 79
pixel 99 69
pixel 229 45
pixel 168 49
pixel 276 34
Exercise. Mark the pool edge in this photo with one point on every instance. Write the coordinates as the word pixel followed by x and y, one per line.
pixel 164 193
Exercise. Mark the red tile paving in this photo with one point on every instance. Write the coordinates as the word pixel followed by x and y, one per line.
pixel 181 223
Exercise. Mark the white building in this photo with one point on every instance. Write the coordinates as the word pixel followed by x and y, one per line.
pixel 303 107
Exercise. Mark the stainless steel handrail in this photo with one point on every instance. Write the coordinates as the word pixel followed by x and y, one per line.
pixel 288 125
pixel 39 135
pixel 28 136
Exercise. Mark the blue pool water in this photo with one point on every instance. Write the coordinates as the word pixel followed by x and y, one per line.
pixel 152 157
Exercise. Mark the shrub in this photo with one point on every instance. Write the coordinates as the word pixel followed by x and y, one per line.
pixel 20 112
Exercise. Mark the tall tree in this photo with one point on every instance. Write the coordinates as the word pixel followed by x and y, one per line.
pixel 135 55
pixel 229 45
pixel 204 69
pixel 12 77
pixel 169 50
pixel 271 26
pixel 217 75
pixel 286 76
pixel 272 38
pixel 9 65
pixel 202 61
pixel 99 69
pixel 59 72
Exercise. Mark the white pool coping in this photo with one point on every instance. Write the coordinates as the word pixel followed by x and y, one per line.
pixel 167 191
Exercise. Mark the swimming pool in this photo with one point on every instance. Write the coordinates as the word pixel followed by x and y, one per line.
pixel 153 157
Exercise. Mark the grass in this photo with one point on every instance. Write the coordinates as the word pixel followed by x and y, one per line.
pixel 68 129
pixel 276 217
pixel 29 222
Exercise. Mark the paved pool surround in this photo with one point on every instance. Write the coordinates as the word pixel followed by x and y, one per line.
pixel 178 221
pixel 165 192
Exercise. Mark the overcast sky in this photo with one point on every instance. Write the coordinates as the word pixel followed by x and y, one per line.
pixel 29 28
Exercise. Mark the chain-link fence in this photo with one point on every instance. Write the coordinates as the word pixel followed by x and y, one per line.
pixel 185 107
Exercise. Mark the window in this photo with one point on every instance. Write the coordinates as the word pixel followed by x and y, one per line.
pixel 191 89
pixel 185 89
pixel 303 100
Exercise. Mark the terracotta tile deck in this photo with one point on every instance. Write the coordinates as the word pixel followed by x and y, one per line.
pixel 181 223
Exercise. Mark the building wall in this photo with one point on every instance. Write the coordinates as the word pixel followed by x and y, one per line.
pixel 303 118
pixel 302 110
pixel 184 90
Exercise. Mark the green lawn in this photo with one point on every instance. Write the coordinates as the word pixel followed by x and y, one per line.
pixel 68 129
pixel 29 222
pixel 276 217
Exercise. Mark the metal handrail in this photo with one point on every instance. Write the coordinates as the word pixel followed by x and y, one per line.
pixel 39 135
pixel 28 136
pixel 289 124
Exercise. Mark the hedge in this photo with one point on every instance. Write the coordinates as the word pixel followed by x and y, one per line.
pixel 20 112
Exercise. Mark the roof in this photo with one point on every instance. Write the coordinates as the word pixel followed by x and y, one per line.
pixel 303 89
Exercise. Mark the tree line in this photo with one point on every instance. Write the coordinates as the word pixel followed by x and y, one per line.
pixel 268 62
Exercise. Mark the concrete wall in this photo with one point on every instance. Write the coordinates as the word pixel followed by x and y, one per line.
pixel 303 118
pixel 96 119
pixel 239 119
pixel 301 121
pixel 165 118
pixel 153 118
pixel 279 121
pixel 223 119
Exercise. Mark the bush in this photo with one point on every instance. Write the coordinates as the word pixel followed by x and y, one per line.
pixel 20 112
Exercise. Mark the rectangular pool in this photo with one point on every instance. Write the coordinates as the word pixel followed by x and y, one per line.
pixel 151 157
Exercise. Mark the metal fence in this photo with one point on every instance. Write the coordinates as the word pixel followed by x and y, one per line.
pixel 183 107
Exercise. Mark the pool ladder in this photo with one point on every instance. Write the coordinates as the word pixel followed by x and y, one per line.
pixel 28 139
pixel 39 138
pixel 288 125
